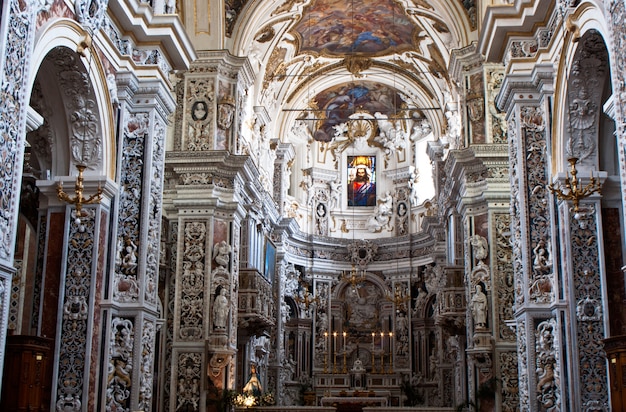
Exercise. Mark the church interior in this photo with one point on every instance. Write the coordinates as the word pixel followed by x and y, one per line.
pixel 313 205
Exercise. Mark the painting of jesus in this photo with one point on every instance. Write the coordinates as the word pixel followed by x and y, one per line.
pixel 361 180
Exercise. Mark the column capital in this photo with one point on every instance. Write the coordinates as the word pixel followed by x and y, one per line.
pixel 518 88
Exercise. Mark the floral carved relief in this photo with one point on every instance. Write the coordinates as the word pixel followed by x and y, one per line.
pixel 586 85
pixel 74 323
pixel 522 359
pixel 589 316
pixel 510 381
pixel 147 364
pixel 516 232
pixel 192 282
pixel 616 15
pixel 126 283
pixel 504 277
pixel 200 100
pixel 547 366
pixel 154 213
pixel 533 133
pixel 188 381
pixel 120 367
pixel 79 100
pixel 170 310
pixel 496 121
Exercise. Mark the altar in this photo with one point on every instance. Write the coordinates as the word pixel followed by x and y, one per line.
pixel 353 402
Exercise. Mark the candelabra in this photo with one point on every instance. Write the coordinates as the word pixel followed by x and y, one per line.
pixel 573 189
pixel 307 299
pixel 354 278
pixel 79 200
pixel 399 298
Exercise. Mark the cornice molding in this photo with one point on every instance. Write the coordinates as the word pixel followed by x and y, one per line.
pixel 526 86
pixel 137 20
pixel 503 22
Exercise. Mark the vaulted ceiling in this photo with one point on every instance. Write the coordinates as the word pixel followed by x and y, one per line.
pixel 376 49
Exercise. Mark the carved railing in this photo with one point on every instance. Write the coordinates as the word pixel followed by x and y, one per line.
pixel 256 303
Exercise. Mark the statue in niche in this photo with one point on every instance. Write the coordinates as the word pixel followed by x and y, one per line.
pixel 253 386
pixel 335 193
pixel 479 246
pixel 199 111
pixel 129 259
pixel 361 304
pixel 220 310
pixel 420 301
pixel 321 228
pixel 542 256
pixel 479 308
pixel 222 251
pixel 225 112
pixel 402 333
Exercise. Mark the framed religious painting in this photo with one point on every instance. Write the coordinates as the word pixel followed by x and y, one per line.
pixel 270 260
pixel 361 180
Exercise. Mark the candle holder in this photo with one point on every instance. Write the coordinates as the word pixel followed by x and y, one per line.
pixel 573 189
pixel 79 200
pixel 345 361
pixel 373 362
pixel 307 299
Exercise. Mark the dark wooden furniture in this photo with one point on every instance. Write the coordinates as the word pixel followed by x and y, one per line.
pixel 27 374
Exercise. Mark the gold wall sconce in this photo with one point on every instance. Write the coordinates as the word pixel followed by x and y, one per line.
pixel 79 200
pixel 307 298
pixel 573 188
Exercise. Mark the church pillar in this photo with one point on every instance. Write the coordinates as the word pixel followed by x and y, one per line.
pixel 132 310
pixel 207 199
pixel 540 319
pixel 492 357
pixel 74 280
pixel 18 24
pixel 616 14
pixel 282 173
pixel 583 253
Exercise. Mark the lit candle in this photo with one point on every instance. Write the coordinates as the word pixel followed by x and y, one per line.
pixel 373 340
pixel 335 341
pixel 344 340
pixel 326 340
pixel 382 335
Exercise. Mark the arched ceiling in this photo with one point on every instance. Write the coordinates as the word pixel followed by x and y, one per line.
pixel 304 50
pixel 351 78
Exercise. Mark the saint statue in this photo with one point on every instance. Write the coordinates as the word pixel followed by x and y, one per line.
pixel 253 386
pixel 479 308
pixel 220 310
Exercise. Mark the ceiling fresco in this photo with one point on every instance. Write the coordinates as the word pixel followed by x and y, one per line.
pixel 338 103
pixel 364 27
